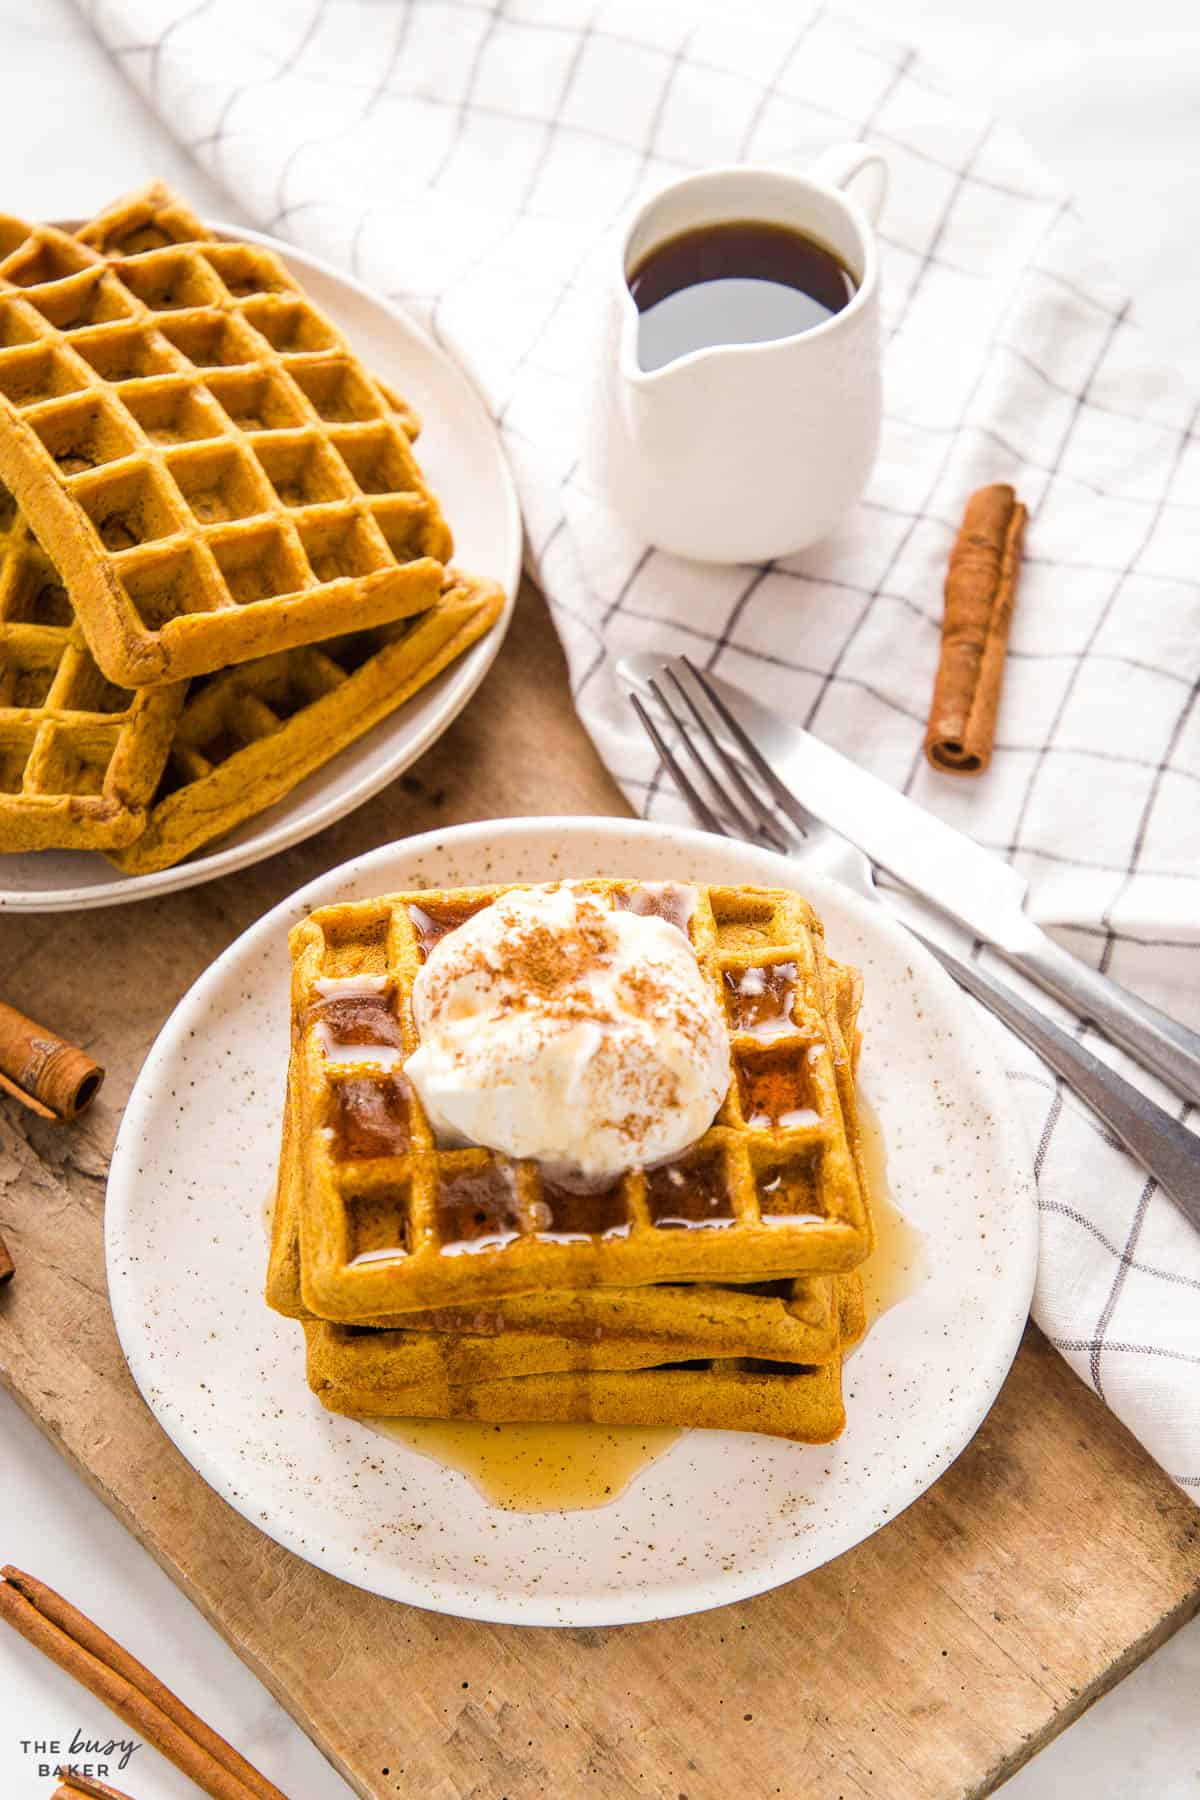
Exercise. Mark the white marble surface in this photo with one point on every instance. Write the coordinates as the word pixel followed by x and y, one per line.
pixel 1106 92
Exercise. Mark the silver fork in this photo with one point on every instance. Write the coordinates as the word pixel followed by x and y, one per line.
pixel 730 805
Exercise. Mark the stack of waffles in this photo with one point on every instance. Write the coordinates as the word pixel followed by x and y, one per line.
pixel 219 560
pixel 446 1281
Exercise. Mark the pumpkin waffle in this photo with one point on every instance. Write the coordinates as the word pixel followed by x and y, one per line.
pixel 153 218
pixel 789 1320
pixel 389 1361
pixel 781 1399
pixel 210 467
pixel 392 1221
pixel 247 735
pixel 794 1320
pixel 213 781
pixel 79 758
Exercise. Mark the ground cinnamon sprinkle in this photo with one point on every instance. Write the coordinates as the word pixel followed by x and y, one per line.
pixel 545 961
pixel 650 998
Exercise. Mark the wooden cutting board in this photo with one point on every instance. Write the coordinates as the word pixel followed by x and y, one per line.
pixel 928 1663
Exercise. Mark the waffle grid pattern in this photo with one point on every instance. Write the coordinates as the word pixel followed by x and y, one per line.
pixel 787 1319
pixel 774 1188
pixel 79 757
pixel 245 735
pixel 248 734
pixel 784 1320
pixel 156 218
pixel 202 454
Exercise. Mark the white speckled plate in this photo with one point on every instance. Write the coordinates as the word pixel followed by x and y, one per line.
pixel 721 1515
pixel 460 451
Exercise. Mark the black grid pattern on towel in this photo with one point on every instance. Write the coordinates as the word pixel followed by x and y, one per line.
pixel 471 157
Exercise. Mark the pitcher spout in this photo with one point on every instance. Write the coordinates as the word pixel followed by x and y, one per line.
pixel 629 368
pixel 632 375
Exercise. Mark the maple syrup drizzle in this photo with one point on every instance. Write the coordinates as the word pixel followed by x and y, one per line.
pixel 896 1267
pixel 774 1088
pixel 536 1468
pixel 354 987
pixel 574 1209
pixel 370 1119
pixel 432 925
pixel 667 900
pixel 525 1468
pixel 477 1209
pixel 355 1021
pixel 760 1000
pixel 689 1193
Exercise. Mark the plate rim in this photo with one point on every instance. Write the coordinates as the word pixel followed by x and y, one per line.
pixel 648 1604
pixel 467 673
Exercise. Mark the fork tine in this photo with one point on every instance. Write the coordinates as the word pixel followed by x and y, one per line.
pixel 726 763
pixel 784 796
pixel 726 803
pixel 684 783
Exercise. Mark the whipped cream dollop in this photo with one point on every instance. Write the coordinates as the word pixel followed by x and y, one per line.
pixel 552 1025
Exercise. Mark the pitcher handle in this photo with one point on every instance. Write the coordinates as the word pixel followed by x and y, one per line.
pixel 859 171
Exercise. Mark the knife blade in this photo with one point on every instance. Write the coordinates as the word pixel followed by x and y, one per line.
pixel 1165 1148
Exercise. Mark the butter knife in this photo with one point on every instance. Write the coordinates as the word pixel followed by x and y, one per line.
pixel 969 884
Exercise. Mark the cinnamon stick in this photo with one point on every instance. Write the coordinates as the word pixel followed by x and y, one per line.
pixel 7 1267
pixel 46 1073
pixel 56 1628
pixel 82 1787
pixel 981 588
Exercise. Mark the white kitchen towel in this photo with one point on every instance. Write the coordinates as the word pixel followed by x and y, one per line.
pixel 470 159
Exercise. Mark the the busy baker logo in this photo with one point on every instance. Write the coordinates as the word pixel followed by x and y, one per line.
pixel 80 1754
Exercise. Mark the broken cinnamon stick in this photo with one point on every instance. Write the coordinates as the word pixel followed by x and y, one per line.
pixel 46 1073
pixel 82 1787
pixel 107 1670
pixel 981 588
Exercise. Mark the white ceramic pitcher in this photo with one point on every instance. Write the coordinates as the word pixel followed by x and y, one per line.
pixel 741 452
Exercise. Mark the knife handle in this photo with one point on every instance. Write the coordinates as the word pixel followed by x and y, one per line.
pixel 1158 1042
pixel 1164 1147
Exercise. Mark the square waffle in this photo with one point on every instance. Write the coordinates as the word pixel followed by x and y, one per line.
pixel 204 458
pixel 387 1362
pixel 782 1399
pixel 79 758
pixel 393 1221
pixel 793 1320
pixel 221 769
pixel 154 218
pixel 247 735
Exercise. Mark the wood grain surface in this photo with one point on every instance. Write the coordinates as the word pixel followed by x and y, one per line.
pixel 927 1663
